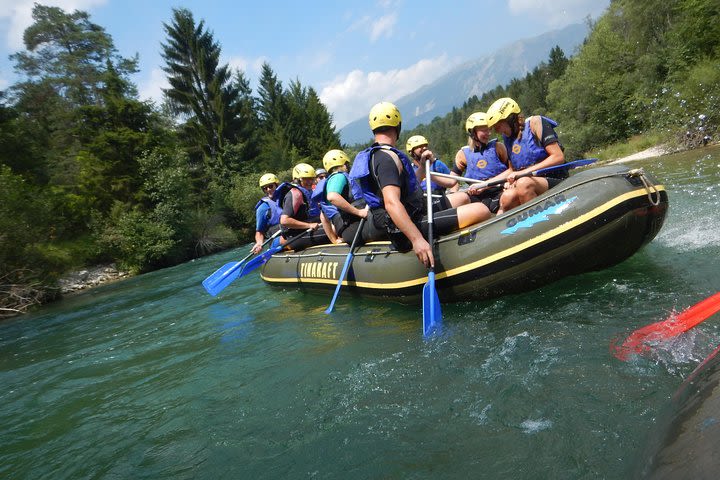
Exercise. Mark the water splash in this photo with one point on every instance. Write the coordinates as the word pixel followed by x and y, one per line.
pixel 534 426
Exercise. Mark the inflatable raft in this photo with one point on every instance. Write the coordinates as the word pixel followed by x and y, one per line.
pixel 596 218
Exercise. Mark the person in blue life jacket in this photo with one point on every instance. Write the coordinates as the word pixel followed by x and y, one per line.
pixel 418 150
pixel 483 159
pixel 531 144
pixel 389 185
pixel 336 194
pixel 299 211
pixel 267 212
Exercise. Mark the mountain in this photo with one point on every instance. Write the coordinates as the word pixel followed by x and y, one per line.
pixel 474 77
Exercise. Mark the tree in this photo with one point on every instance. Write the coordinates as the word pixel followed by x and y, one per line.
pixel 69 53
pixel 201 90
pixel 272 108
pixel 112 136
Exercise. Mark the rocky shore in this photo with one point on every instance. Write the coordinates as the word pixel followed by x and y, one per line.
pixel 91 277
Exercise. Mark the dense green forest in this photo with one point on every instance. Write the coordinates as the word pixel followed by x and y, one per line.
pixel 91 174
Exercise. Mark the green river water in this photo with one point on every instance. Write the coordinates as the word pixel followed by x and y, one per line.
pixel 152 378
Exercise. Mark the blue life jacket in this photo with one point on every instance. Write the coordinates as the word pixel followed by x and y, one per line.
pixel 527 151
pixel 320 195
pixel 360 173
pixel 272 216
pixel 311 210
pixel 434 167
pixel 483 164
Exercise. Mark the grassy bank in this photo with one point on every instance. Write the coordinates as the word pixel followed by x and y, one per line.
pixel 633 145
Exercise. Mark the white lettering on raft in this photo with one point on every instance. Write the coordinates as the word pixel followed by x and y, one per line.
pixel 327 270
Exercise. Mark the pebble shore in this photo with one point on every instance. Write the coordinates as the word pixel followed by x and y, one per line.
pixel 91 277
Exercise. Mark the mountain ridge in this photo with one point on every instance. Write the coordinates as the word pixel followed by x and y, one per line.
pixel 474 77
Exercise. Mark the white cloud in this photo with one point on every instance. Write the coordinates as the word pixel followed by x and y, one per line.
pixel 377 27
pixel 4 83
pixel 350 97
pixel 557 13
pixel 383 27
pixel 19 15
pixel 151 89
pixel 250 67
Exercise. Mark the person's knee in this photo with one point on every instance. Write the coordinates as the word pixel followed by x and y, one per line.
pixel 525 189
pixel 472 213
pixel 458 199
pixel 509 200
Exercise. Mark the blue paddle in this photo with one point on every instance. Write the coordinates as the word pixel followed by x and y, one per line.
pixel 432 314
pixel 345 268
pixel 261 259
pixel 573 164
pixel 223 276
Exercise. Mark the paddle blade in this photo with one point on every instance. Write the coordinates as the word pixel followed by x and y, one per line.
pixel 432 313
pixel 638 341
pixel 221 278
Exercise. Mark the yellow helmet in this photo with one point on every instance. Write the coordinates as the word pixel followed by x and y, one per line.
pixel 303 170
pixel 267 179
pixel 477 119
pixel 501 109
pixel 414 142
pixel 335 158
pixel 385 114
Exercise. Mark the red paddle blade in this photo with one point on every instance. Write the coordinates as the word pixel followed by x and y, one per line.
pixel 638 341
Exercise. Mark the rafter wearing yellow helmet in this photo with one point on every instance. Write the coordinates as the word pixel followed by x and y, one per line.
pixel 337 198
pixel 387 180
pixel 484 159
pixel 300 212
pixel 267 212
pixel 531 144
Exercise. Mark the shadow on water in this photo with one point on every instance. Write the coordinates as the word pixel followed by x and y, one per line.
pixel 152 378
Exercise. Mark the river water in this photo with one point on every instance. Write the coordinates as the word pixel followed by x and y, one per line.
pixel 152 378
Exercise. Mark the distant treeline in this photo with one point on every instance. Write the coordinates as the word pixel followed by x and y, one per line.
pixel 650 65
pixel 91 174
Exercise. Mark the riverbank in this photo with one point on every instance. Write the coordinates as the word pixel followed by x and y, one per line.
pixel 73 282
pixel 656 151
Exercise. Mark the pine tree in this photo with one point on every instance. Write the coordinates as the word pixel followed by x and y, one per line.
pixel 201 90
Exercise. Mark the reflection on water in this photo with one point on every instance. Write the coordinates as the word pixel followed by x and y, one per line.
pixel 152 378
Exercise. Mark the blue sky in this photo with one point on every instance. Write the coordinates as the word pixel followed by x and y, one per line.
pixel 353 53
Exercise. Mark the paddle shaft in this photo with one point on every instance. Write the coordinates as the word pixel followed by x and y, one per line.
pixel 346 266
pixel 573 164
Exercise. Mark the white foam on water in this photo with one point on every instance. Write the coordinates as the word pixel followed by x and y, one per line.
pixel 533 426
pixel 688 238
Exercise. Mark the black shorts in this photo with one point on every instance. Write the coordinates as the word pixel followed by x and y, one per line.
pixel 490 198
pixel 553 182
pixel 345 230
pixel 379 226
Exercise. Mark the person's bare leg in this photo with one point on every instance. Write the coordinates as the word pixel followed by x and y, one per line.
pixel 472 213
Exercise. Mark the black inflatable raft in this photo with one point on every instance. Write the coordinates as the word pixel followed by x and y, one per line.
pixel 596 218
